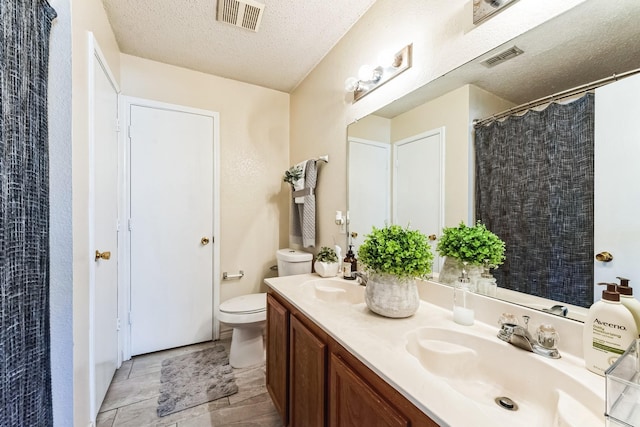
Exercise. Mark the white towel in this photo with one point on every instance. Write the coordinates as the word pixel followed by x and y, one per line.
pixel 299 184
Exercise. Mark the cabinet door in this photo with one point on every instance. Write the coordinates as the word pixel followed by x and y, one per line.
pixel 353 403
pixel 277 355
pixel 307 376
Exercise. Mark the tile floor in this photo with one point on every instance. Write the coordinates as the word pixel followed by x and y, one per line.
pixel 132 398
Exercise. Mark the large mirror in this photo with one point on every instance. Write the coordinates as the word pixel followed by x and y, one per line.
pixel 431 190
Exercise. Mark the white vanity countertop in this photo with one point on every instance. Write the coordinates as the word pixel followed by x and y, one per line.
pixel 380 343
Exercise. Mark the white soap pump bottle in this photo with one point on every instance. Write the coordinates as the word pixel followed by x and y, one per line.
pixel 463 312
pixel 627 299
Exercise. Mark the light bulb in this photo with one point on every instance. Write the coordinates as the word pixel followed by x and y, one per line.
pixel 386 58
pixel 351 84
pixel 365 72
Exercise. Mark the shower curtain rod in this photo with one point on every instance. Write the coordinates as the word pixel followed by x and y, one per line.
pixel 555 97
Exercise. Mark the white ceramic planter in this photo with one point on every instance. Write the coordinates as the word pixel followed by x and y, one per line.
pixel 391 296
pixel 326 269
pixel 452 270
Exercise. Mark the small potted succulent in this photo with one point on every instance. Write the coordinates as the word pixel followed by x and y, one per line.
pixel 394 257
pixel 292 175
pixel 470 248
pixel 327 263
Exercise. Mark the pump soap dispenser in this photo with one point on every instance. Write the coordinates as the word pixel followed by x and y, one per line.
pixel 349 265
pixel 608 331
pixel 627 299
pixel 463 312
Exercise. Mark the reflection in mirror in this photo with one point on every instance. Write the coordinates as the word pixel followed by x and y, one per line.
pixel 558 55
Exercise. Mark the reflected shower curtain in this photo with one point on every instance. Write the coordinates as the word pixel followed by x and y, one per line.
pixel 534 189
pixel 25 372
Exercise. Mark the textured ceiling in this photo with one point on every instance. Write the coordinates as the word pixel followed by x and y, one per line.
pixel 592 41
pixel 293 37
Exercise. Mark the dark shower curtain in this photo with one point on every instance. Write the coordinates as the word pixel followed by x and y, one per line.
pixel 534 189
pixel 25 371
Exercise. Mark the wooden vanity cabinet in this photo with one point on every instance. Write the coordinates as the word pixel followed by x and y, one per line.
pixel 278 356
pixel 314 381
pixel 307 376
pixel 353 402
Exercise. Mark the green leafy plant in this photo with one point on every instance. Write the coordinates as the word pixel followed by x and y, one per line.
pixel 326 254
pixel 475 245
pixel 292 175
pixel 397 251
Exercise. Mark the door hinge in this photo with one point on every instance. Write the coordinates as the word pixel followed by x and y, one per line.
pixel 130 319
pixel 118 324
pixel 129 131
pixel 118 226
pixel 130 224
pixel 117 125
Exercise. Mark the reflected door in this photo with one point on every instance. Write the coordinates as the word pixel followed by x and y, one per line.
pixel 369 186
pixel 417 185
pixel 617 192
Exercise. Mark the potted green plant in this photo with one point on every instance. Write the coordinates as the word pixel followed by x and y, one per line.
pixel 469 247
pixel 327 263
pixel 292 175
pixel 394 257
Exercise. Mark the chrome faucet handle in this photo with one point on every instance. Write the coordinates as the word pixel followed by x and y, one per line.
pixel 547 336
pixel 507 318
pixel 526 322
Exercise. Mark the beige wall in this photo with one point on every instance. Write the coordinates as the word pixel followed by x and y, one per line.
pixel 454 111
pixel 450 111
pixel 261 134
pixel 87 15
pixel 371 127
pixel 254 154
pixel 254 144
pixel 443 38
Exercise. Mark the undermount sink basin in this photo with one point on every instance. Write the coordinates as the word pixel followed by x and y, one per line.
pixel 515 387
pixel 335 290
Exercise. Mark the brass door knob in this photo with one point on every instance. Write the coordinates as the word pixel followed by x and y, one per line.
pixel 103 255
pixel 604 256
pixel 204 241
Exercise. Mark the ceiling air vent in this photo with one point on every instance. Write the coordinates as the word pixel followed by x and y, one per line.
pixel 245 13
pixel 503 56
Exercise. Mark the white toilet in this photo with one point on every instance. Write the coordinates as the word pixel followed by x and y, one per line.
pixel 247 314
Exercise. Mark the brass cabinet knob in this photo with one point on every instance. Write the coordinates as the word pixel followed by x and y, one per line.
pixel 604 256
pixel 432 237
pixel 204 241
pixel 103 255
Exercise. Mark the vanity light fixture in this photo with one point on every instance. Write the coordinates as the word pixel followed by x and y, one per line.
pixel 372 77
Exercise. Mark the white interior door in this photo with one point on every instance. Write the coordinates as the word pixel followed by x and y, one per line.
pixel 417 185
pixel 616 225
pixel 369 186
pixel 104 216
pixel 172 226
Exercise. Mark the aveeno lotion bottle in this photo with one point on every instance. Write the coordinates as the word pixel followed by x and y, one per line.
pixel 608 331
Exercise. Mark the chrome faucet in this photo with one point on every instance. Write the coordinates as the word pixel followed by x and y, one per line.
pixel 544 345
pixel 559 310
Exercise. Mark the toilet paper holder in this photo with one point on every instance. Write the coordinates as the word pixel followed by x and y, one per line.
pixel 226 276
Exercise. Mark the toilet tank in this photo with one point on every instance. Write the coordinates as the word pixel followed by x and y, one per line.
pixel 291 261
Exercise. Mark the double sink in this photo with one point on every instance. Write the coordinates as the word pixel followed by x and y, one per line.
pixel 508 385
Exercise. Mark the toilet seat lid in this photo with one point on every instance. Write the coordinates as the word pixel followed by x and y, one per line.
pixel 246 304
